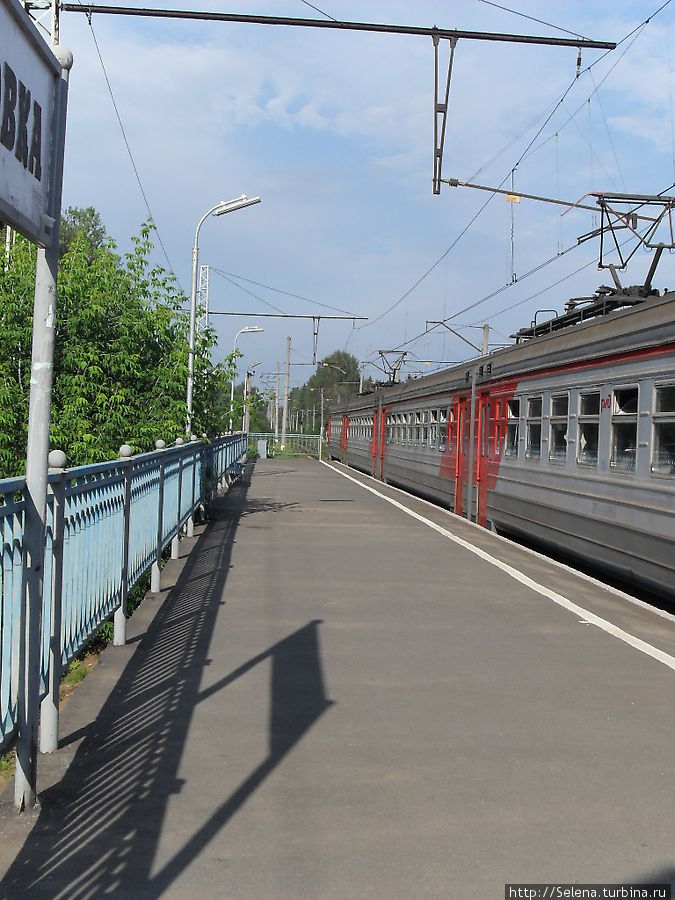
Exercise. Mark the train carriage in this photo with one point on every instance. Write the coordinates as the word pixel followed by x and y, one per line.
pixel 566 437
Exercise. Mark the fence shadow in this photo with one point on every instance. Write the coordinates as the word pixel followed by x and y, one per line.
pixel 98 829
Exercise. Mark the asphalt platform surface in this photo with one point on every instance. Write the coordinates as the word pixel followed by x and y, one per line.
pixel 331 699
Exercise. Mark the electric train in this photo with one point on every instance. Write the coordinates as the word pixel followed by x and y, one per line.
pixel 565 438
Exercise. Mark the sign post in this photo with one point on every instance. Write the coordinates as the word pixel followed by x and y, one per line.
pixel 33 103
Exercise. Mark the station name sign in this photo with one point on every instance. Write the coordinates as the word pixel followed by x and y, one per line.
pixel 29 75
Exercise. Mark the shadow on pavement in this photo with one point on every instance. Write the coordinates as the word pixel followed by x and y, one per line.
pixel 98 829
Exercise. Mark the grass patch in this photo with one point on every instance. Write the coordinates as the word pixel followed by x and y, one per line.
pixel 75 673
pixel 7 764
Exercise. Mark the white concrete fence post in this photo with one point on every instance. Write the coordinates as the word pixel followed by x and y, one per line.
pixel 120 619
pixel 155 572
pixel 49 708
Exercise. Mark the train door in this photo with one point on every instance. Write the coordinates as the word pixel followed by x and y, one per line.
pixel 378 442
pixel 344 438
pixel 374 442
pixel 461 459
pixel 467 498
pixel 383 440
pixel 482 458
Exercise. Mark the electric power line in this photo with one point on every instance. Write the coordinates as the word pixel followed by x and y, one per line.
pixel 316 9
pixel 530 18
pixel 126 144
pixel 285 293
pixel 245 290
pixel 523 155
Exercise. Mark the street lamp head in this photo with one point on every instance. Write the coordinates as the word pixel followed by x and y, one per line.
pixel 251 329
pixel 226 206
pixel 326 365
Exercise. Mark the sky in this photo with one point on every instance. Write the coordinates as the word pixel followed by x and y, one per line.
pixel 334 131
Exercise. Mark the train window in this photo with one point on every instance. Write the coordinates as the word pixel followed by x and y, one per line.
pixel 624 428
pixel 590 404
pixel 433 429
pixel 425 427
pixel 533 434
pixel 560 405
pixel 534 407
pixel 557 448
pixel 665 399
pixel 451 429
pixel 512 428
pixel 589 426
pixel 663 460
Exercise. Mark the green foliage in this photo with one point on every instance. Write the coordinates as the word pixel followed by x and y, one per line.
pixel 17 287
pixel 121 353
pixel 338 376
pixel 7 765
pixel 84 225
pixel 258 412
pixel 75 673
pixel 120 365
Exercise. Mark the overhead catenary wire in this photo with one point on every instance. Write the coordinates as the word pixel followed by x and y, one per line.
pixel 524 155
pixel 530 18
pixel 128 147
pixel 432 267
pixel 245 290
pixel 637 32
pixel 269 287
pixel 316 9
pixel 183 14
pixel 505 287
pixel 596 93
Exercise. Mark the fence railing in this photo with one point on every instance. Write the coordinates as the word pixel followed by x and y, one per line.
pixel 106 524
pixel 295 444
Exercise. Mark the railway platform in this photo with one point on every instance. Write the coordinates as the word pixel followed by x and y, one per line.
pixel 345 692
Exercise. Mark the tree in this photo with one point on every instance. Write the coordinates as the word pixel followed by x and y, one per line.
pixel 259 421
pixel 338 375
pixel 84 225
pixel 17 286
pixel 121 355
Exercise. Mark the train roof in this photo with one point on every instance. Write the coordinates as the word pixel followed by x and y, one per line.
pixel 603 326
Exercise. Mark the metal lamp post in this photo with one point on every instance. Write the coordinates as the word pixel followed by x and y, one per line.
pixel 225 206
pixel 247 329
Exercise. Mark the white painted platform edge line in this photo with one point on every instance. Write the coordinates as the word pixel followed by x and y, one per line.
pixel 617 592
pixel 586 615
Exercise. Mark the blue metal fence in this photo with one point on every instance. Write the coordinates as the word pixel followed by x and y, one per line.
pixel 106 524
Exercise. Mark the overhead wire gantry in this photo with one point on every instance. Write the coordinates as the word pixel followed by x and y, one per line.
pixel 441 86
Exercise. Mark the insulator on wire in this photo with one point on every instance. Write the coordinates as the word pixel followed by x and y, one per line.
pixel 579 63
